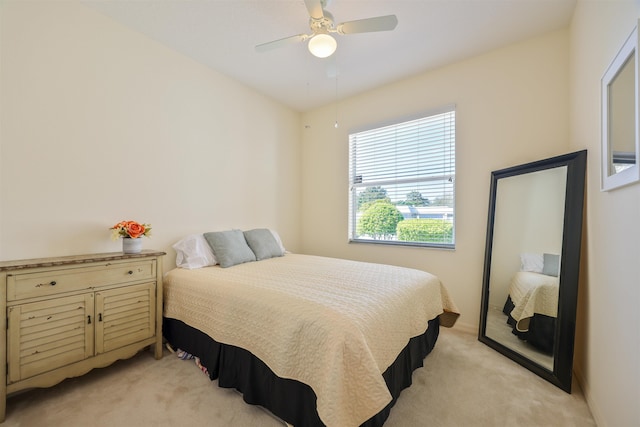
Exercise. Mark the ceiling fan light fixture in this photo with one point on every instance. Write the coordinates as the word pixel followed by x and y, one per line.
pixel 322 45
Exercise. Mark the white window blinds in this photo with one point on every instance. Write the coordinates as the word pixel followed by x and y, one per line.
pixel 402 182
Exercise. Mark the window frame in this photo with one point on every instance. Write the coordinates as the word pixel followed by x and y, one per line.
pixel 352 196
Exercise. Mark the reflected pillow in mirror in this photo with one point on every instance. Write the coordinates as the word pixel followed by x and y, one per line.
pixel 531 262
pixel 551 265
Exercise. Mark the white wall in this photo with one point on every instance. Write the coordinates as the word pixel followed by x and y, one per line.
pixel 608 342
pixel 102 124
pixel 511 108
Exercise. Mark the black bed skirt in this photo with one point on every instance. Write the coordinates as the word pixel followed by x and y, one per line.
pixel 541 333
pixel 290 400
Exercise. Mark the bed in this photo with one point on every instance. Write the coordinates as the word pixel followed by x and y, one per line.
pixel 532 308
pixel 317 341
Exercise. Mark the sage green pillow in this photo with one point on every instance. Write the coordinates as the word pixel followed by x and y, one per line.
pixel 262 243
pixel 229 247
pixel 551 265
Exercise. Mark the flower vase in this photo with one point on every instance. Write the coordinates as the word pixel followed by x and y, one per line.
pixel 131 246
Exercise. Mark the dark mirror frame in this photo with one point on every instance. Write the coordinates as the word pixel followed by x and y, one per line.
pixel 570 267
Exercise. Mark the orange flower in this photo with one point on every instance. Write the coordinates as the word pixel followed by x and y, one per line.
pixel 130 229
pixel 135 230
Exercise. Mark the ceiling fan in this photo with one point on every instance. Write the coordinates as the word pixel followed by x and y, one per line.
pixel 321 43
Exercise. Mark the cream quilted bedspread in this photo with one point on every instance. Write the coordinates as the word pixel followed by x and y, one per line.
pixel 533 293
pixel 333 324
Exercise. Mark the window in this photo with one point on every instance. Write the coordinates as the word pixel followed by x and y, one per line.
pixel 402 182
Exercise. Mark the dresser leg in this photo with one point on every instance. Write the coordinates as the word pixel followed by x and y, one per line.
pixel 3 406
pixel 157 349
pixel 3 340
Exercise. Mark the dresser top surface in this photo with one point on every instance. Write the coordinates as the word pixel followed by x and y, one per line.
pixel 75 259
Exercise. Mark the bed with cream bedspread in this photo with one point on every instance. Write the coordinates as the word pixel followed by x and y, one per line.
pixel 332 324
pixel 533 293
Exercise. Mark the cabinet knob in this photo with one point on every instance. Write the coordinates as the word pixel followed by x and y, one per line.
pixel 53 283
pixel 130 272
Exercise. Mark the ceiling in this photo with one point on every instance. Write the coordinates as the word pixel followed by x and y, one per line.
pixel 222 34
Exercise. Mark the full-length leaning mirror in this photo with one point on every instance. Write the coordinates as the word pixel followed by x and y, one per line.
pixel 532 261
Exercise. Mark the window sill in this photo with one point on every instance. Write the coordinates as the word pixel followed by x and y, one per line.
pixel 445 246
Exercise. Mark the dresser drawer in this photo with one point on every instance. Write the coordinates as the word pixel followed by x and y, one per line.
pixel 54 281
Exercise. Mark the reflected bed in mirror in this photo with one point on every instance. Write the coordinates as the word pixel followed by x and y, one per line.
pixel 532 261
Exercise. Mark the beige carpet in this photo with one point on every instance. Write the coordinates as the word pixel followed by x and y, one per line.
pixel 463 383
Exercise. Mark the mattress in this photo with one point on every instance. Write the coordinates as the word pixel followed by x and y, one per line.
pixel 289 400
pixel 335 325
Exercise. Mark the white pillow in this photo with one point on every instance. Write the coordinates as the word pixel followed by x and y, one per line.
pixel 277 237
pixel 531 262
pixel 194 252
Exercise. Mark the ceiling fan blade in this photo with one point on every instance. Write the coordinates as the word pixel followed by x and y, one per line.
pixel 315 8
pixel 264 47
pixel 380 23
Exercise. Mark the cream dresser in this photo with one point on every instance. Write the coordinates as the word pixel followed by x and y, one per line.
pixel 65 316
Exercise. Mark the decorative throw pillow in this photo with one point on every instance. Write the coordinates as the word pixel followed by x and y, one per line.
pixel 193 251
pixel 229 247
pixel 551 265
pixel 263 243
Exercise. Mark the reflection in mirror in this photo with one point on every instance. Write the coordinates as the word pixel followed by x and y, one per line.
pixel 532 262
pixel 523 287
pixel 622 126
pixel 620 123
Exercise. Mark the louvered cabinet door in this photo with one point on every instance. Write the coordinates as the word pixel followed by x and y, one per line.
pixel 124 316
pixel 49 334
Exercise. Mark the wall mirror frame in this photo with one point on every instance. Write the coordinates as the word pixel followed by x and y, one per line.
pixel 534 207
pixel 621 118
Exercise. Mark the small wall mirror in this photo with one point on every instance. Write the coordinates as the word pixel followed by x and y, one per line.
pixel 620 118
pixel 532 261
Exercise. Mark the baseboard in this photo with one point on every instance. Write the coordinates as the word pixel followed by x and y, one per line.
pixel 586 392
pixel 467 328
